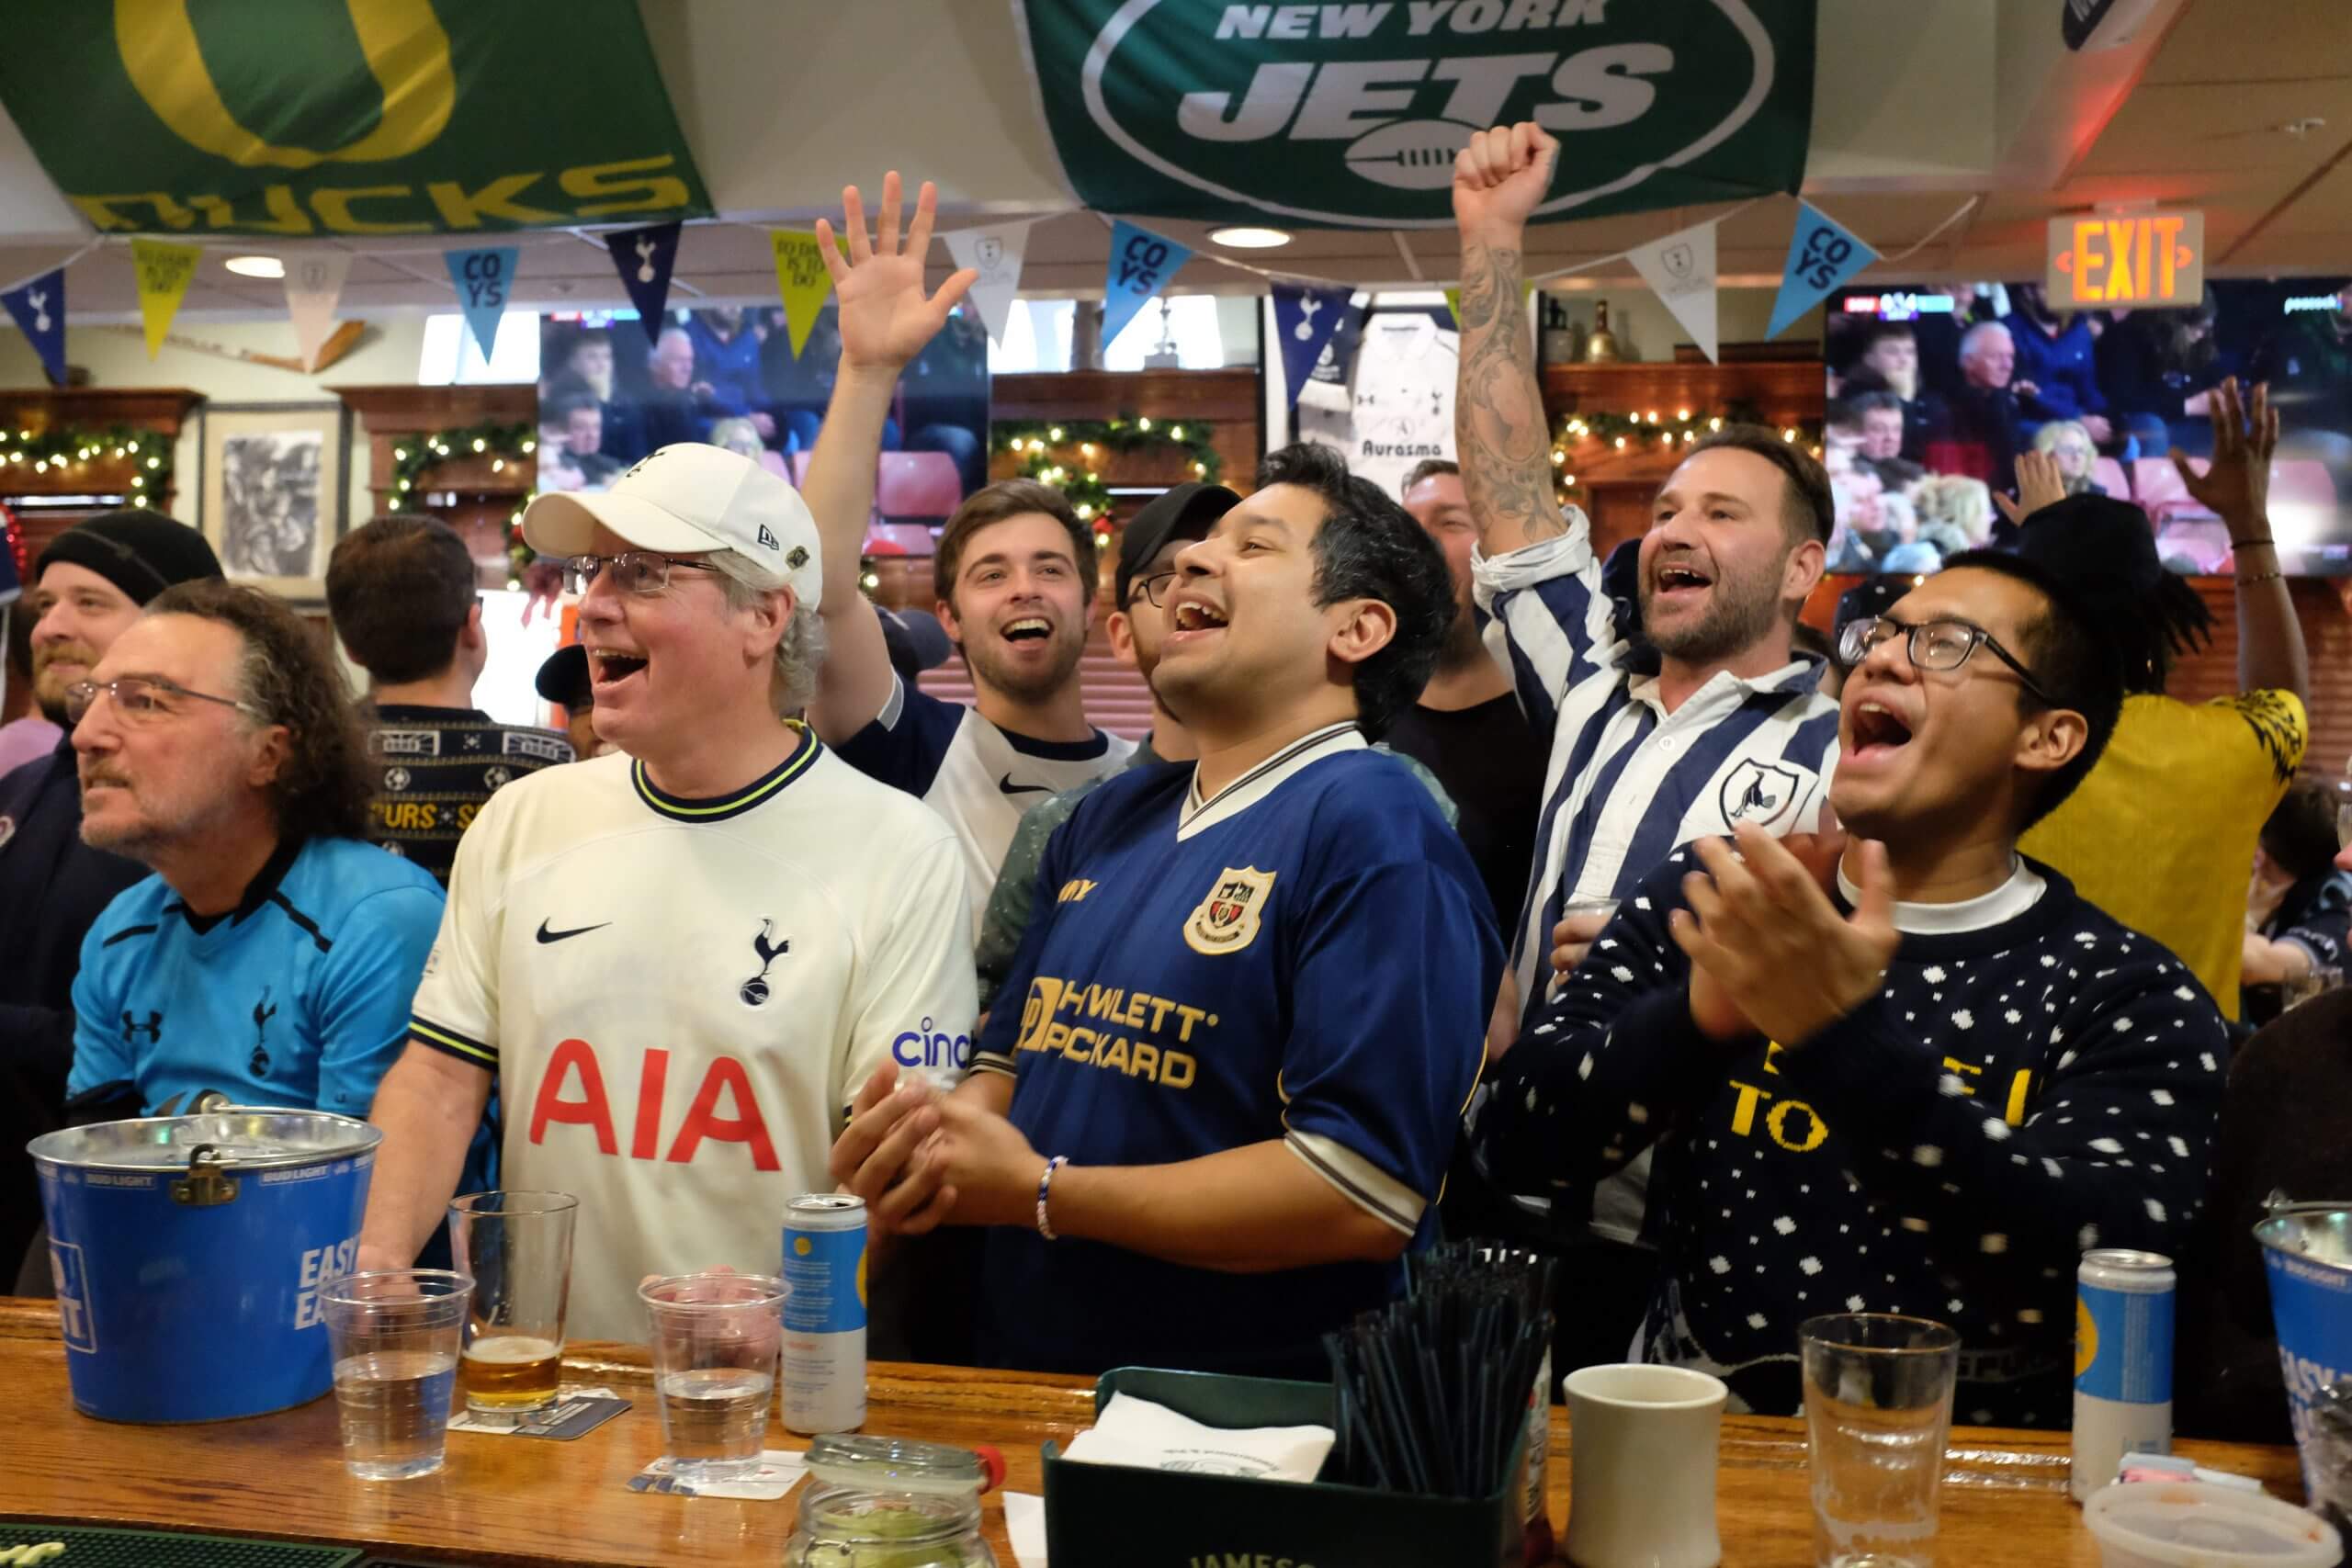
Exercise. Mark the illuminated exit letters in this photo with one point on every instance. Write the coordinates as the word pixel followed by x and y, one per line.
pixel 2142 261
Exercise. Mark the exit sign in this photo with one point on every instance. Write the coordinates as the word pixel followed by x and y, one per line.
pixel 2145 261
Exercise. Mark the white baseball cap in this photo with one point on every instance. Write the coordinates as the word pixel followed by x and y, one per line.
pixel 684 499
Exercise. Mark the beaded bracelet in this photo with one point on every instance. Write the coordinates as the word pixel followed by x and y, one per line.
pixel 2260 576
pixel 1045 1185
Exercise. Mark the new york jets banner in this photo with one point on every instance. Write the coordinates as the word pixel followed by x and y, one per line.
pixel 368 118
pixel 1349 115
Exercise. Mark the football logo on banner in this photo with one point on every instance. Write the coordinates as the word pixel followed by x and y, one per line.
pixel 1304 320
pixel 485 279
pixel 1681 270
pixel 39 309
pixel 1822 254
pixel 1142 264
pixel 645 258
pixel 995 255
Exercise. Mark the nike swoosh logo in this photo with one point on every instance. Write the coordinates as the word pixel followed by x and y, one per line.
pixel 546 935
pixel 1006 785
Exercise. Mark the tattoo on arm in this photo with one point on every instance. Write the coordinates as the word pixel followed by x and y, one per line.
pixel 1500 435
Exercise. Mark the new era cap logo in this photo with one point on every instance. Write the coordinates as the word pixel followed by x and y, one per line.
pixel 768 541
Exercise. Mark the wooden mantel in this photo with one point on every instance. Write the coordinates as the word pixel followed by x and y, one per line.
pixel 484 498
pixel 163 410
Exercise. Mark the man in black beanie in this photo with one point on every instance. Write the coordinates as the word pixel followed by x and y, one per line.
pixel 88 587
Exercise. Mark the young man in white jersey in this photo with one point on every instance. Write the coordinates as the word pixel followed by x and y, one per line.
pixel 1708 719
pixel 679 964
pixel 1014 578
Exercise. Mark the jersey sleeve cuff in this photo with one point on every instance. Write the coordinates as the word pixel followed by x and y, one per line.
pixel 986 1062
pixel 465 1047
pixel 1359 1180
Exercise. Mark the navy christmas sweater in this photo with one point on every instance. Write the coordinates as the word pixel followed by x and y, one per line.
pixel 2035 1080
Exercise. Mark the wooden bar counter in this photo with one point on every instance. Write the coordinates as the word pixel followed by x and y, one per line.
pixel 523 1503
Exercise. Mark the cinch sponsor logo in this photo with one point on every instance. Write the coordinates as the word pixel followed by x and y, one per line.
pixel 572 1093
pixel 931 1046
pixel 1390 92
pixel 321 1266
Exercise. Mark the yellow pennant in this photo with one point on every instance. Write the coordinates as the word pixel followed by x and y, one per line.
pixel 801 278
pixel 164 272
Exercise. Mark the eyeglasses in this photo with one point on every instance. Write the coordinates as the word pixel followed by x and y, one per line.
pixel 142 699
pixel 1154 587
pixel 1933 645
pixel 634 571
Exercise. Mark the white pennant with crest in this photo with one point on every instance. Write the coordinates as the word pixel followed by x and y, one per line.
pixel 1681 270
pixel 995 253
pixel 313 288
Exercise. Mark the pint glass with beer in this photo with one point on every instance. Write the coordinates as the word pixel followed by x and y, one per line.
pixel 517 1247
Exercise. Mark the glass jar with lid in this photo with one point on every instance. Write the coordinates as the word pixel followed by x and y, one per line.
pixel 893 1502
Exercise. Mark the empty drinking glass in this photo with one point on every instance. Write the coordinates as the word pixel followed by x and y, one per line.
pixel 715 1340
pixel 1877 1408
pixel 394 1336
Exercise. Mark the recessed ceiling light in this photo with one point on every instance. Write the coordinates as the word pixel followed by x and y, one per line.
pixel 1248 238
pixel 255 266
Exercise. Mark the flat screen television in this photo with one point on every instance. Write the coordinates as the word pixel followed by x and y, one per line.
pixel 1935 388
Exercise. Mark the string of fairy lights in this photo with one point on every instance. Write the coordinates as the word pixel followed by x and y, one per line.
pixel 1600 434
pixel 96 455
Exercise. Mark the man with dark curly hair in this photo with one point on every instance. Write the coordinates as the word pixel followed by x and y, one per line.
pixel 272 956
pixel 1228 1062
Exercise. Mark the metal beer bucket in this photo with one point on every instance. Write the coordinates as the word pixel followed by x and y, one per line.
pixel 2307 1250
pixel 188 1252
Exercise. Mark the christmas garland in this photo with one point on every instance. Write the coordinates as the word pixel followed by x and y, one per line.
pixel 1635 429
pixel 68 447
pixel 1065 453
pixel 415 456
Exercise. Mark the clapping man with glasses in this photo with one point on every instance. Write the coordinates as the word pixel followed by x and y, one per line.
pixel 270 957
pixel 1896 1066
pixel 680 961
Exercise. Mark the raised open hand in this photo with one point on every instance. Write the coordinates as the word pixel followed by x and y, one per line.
pixel 886 318
pixel 2236 485
pixel 2039 485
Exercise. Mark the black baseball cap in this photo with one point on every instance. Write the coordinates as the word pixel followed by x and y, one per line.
pixel 1192 507
pixel 916 639
pixel 563 678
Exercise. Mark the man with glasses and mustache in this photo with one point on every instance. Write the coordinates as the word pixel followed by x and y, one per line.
pixel 269 959
pixel 88 587
pixel 678 962
pixel 1895 1067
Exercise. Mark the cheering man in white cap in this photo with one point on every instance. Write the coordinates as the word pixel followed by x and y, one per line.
pixel 679 964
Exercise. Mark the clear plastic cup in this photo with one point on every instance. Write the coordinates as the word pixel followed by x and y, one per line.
pixel 715 1340
pixel 395 1335
pixel 1878 1392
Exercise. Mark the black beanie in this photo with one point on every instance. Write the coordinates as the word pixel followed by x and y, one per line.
pixel 139 552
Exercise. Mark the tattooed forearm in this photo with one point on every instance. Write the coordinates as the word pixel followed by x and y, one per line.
pixel 1499 433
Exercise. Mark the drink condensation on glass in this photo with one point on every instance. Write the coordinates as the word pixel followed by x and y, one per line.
pixel 1878 1393
pixel 517 1247
pixel 394 1338
pixel 715 1340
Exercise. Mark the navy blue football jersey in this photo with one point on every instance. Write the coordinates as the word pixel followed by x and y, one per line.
pixel 1308 956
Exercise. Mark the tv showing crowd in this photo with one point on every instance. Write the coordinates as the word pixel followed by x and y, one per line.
pixel 610 393
pixel 1935 391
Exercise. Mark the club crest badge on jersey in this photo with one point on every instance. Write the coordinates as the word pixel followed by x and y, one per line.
pixel 1226 920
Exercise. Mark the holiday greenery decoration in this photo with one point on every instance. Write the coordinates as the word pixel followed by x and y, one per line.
pixel 415 456
pixel 69 449
pixel 1637 430
pixel 1067 454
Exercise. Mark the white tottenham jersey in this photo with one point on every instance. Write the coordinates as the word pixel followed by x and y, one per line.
pixel 1398 408
pixel 680 997
pixel 981 778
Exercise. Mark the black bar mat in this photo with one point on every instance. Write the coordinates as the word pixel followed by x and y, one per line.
pixel 87 1547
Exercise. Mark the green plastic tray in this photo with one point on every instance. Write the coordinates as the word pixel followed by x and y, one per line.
pixel 87 1547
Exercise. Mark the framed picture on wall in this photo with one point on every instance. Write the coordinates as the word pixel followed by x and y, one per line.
pixel 273 496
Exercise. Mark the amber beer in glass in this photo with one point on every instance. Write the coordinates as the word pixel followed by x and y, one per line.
pixel 517 1247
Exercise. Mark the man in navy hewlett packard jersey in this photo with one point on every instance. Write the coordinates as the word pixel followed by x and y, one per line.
pixel 1254 997
pixel 1014 576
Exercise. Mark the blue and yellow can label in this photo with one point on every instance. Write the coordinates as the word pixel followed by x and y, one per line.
pixel 2123 1345
pixel 827 1272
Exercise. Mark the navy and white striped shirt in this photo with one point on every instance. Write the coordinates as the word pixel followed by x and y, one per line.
pixel 1629 782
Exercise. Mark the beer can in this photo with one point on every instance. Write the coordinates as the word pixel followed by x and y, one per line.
pixel 824 1317
pixel 2124 1323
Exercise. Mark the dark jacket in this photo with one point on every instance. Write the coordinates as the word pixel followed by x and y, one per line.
pixel 52 890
